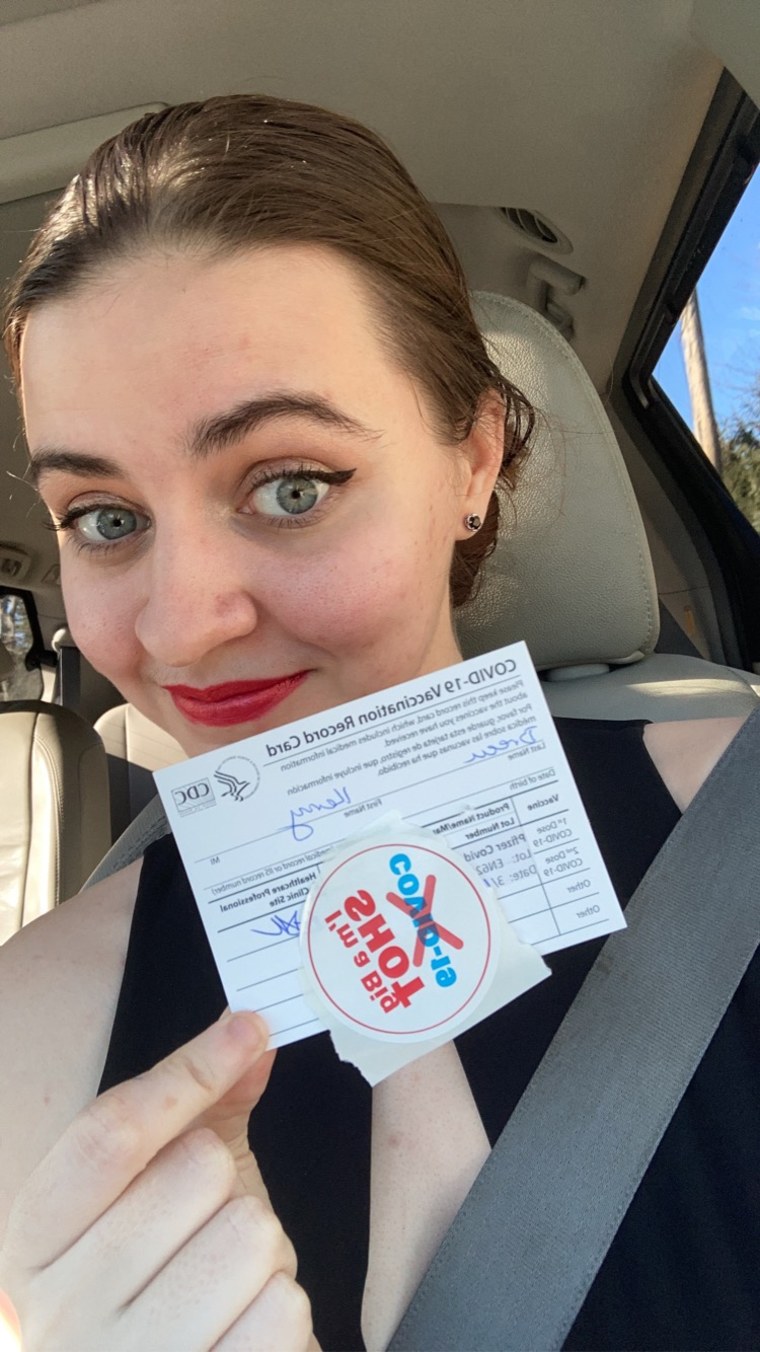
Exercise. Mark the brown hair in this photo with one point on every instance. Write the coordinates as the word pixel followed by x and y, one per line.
pixel 244 169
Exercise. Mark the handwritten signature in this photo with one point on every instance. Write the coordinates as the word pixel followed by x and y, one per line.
pixel 289 927
pixel 528 737
pixel 302 830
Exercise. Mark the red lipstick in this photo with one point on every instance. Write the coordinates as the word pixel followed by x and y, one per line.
pixel 222 706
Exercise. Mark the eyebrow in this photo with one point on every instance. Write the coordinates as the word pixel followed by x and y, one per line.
pixel 209 435
pixel 223 429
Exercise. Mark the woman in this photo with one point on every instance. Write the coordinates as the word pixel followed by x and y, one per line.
pixel 266 429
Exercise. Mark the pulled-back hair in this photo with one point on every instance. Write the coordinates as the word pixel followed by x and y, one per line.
pixel 241 170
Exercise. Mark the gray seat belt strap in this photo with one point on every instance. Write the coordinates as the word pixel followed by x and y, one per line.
pixel 149 825
pixel 515 1266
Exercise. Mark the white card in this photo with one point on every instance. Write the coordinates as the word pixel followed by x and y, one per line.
pixel 470 753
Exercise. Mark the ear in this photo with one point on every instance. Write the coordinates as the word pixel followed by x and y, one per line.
pixel 482 453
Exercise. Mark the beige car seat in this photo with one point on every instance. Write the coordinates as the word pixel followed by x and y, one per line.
pixel 55 820
pixel 135 748
pixel 572 572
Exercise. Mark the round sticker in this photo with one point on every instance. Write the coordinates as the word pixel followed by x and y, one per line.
pixel 397 940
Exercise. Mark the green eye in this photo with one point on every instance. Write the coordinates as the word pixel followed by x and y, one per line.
pixel 105 524
pixel 289 495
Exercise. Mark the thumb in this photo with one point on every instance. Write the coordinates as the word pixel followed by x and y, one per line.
pixel 228 1117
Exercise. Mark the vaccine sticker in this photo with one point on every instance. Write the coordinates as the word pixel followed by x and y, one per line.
pixel 398 941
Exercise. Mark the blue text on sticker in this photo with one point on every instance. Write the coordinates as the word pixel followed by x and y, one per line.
pixel 417 902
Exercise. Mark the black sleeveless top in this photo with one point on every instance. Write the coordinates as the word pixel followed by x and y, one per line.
pixel 684 1269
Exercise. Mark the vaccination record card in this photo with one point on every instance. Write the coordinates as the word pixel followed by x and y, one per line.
pixel 469 755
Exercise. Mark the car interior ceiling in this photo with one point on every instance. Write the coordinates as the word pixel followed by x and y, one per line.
pixel 565 147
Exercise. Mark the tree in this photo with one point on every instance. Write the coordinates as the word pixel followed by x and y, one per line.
pixel 741 471
pixel 741 458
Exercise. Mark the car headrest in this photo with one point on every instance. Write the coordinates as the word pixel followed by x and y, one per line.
pixel 571 573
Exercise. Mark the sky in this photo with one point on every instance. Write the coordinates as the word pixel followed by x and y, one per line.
pixel 729 302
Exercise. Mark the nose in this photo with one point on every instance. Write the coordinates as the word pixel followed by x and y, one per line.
pixel 196 596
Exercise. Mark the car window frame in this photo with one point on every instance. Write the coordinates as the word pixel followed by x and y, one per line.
pixel 724 158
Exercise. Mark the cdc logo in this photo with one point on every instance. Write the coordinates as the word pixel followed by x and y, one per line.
pixel 193 797
pixel 238 778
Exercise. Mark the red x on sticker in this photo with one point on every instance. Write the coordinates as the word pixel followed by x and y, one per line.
pixel 424 912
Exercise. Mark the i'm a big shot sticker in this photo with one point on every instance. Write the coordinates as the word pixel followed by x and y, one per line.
pixel 399 941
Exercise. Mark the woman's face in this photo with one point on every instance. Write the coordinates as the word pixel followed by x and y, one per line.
pixel 252 493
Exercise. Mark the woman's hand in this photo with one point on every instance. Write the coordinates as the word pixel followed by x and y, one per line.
pixel 147 1226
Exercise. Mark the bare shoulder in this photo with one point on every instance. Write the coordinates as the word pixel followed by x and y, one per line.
pixel 59 983
pixel 685 752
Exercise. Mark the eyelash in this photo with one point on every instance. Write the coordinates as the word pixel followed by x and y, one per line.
pixel 66 525
pixel 333 478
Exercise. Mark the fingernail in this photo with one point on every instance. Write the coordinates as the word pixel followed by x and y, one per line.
pixel 246 1027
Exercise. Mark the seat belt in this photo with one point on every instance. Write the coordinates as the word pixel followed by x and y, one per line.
pixel 148 825
pixel 514 1268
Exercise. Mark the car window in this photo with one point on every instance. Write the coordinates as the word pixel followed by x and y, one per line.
pixel 24 679
pixel 710 368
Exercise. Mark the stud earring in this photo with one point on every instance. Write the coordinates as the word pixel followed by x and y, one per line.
pixel 473 522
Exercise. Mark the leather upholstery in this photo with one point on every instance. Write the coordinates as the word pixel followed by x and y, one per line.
pixel 663 686
pixel 572 574
pixel 55 821
pixel 126 732
pixel 135 747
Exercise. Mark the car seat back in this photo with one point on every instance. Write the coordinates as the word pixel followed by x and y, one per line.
pixel 55 825
pixel 572 572
pixel 135 748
